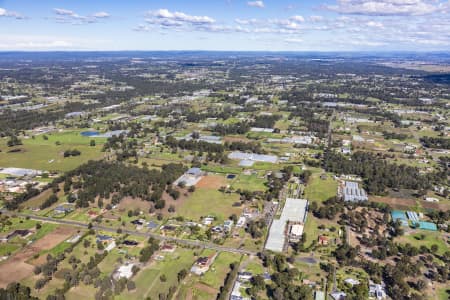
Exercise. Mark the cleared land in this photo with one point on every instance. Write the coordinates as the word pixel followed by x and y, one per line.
pixel 204 202
pixel 18 261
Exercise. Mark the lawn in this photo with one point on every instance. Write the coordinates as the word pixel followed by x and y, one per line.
pixel 320 190
pixel 430 238
pixel 81 292
pixel 8 248
pixel 41 154
pixel 204 202
pixel 249 182
pixel 216 274
pixel 148 282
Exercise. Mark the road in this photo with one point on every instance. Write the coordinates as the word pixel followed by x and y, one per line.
pixel 135 233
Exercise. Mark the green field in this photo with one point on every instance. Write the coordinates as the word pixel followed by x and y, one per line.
pixel 249 182
pixel 219 269
pixel 430 238
pixel 148 282
pixel 320 190
pixel 204 202
pixel 41 154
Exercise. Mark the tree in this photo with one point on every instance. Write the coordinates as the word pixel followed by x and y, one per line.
pixel 92 143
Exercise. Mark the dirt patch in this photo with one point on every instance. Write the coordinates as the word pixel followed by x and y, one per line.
pixel 231 139
pixel 18 261
pixel 435 206
pixel 206 288
pixel 129 203
pixel 398 203
pixel 211 182
pixel 184 195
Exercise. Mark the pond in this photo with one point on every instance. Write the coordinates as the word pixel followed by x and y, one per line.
pixel 89 133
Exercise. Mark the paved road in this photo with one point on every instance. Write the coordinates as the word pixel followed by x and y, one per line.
pixel 136 233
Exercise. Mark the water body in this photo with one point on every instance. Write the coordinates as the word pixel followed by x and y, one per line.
pixel 90 133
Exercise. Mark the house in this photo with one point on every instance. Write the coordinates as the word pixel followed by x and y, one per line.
pixel 110 246
pixel 23 233
pixel 202 264
pixel 168 248
pixel 322 240
pixel 130 243
pixel 190 178
pixel 124 271
pixel 103 238
pixel 137 222
pixel 319 295
pixel 92 214
pixel 63 209
pixel 208 220
pixel 352 281
pixel 152 225
pixel 227 225
pixel 245 276
pixel 296 232
pixel 377 291
pixel 338 295
pixel 241 222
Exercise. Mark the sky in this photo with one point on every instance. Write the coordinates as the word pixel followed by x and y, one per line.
pixel 228 25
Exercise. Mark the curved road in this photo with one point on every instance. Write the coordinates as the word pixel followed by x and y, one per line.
pixel 133 232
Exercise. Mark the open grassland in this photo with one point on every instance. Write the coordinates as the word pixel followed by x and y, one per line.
pixel 204 202
pixel 252 182
pixel 425 238
pixel 148 283
pixel 216 274
pixel 319 189
pixel 45 154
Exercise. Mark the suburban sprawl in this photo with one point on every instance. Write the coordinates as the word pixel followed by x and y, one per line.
pixel 224 175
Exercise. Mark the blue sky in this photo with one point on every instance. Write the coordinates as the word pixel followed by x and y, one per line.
pixel 275 25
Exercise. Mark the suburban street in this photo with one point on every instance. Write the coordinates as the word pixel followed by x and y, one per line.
pixel 133 232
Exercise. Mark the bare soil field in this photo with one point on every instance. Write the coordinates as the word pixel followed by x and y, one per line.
pixel 129 203
pixel 398 203
pixel 206 288
pixel 184 195
pixel 16 268
pixel 404 204
pixel 212 182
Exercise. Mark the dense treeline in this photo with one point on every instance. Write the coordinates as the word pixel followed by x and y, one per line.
pixel 16 291
pixel 26 119
pixel 105 179
pixel 393 135
pixel 283 284
pixel 236 128
pixel 29 193
pixel 377 172
pixel 203 146
pixel 435 142
pixel 229 280
pixel 265 121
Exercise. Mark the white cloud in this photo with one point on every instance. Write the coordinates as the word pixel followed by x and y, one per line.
pixel 387 7
pixel 101 15
pixel 11 14
pixel 69 16
pixel 167 18
pixel 246 21
pixel 298 19
pixel 259 4
pixel 375 24
pixel 315 18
